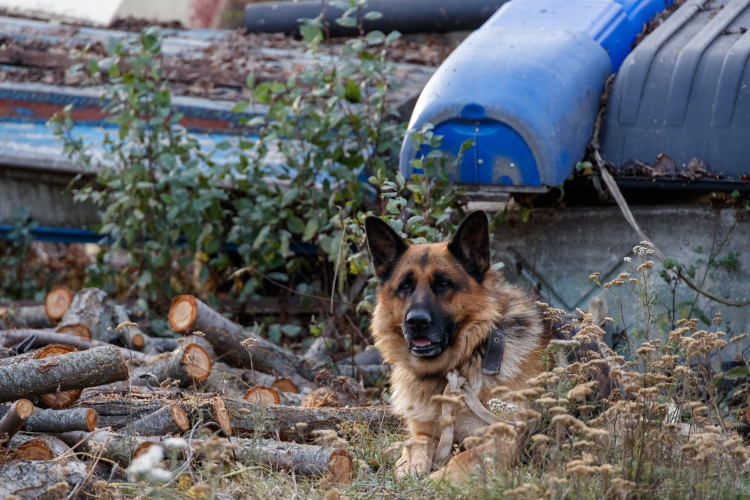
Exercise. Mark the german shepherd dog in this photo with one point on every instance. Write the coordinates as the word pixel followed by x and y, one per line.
pixel 439 308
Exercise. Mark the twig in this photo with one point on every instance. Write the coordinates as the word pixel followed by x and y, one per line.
pixel 251 269
pixel 625 209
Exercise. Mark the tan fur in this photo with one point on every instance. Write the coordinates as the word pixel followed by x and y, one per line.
pixel 477 308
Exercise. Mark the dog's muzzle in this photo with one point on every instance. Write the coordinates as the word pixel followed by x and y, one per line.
pixel 420 334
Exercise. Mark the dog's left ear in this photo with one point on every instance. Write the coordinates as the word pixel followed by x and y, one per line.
pixel 471 244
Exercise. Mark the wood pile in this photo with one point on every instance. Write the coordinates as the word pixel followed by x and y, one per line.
pixel 86 395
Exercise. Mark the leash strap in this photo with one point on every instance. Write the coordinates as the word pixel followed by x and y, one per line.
pixel 455 384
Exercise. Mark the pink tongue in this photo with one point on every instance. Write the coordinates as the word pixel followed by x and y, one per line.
pixel 420 342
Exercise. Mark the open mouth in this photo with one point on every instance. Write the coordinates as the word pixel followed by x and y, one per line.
pixel 423 347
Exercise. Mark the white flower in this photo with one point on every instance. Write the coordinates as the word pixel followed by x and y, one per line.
pixel 498 405
pixel 175 442
pixel 627 259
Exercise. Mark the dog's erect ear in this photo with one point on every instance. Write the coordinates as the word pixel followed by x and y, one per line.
pixel 471 244
pixel 385 246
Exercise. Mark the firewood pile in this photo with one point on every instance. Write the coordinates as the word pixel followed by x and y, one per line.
pixel 86 395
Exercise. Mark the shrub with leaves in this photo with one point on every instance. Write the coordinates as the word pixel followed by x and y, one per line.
pixel 154 186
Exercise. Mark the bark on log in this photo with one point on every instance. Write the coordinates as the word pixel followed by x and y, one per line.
pixel 158 345
pixel 318 355
pixel 93 315
pixel 235 382
pixel 231 343
pixel 54 421
pixel 59 399
pixel 370 375
pixel 309 460
pixel 186 364
pixel 44 337
pixel 52 444
pixel 348 391
pixel 170 419
pixel 74 371
pixel 321 397
pixel 26 317
pixel 50 480
pixel 246 417
pixel 14 419
pixel 112 446
pixel 57 302
pixel 117 411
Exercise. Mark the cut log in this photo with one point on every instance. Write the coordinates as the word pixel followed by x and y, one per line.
pixel 320 398
pixel 49 480
pixel 60 399
pixel 286 420
pixel 34 449
pixel 186 364
pixel 44 337
pixel 313 460
pixel 53 421
pixel 57 302
pixel 93 315
pixel 232 342
pixel 14 419
pixel 157 345
pixel 318 354
pixel 110 445
pixel 74 371
pixel 170 419
pixel 235 382
pixel 285 398
pixel 117 411
pixel 371 375
pixel 39 445
pixel 348 391
pixel 264 395
pixel 26 317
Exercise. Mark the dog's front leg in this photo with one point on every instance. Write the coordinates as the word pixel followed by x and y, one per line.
pixel 416 459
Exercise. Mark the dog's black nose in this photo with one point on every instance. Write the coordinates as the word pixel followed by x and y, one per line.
pixel 418 321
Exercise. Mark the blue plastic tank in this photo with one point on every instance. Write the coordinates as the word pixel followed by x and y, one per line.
pixel 525 88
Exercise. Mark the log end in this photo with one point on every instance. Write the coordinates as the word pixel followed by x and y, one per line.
pixel 56 302
pixel 221 415
pixel 263 394
pixel 91 419
pixel 77 330
pixel 24 409
pixel 182 312
pixel 63 399
pixel 34 449
pixel 197 362
pixel 341 466
pixel 179 416
pixel 285 385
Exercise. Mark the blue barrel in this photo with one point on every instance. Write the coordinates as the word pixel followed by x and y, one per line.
pixel 525 88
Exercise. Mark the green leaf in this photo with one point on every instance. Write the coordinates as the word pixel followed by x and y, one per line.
pixel 373 15
pixel 374 37
pixel 274 333
pixel 310 32
pixel 295 225
pixel 291 330
pixel 347 22
pixel 352 92
pixel 240 107
pixel 736 373
pixel 311 229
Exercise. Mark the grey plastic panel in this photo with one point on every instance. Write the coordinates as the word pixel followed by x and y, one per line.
pixel 685 92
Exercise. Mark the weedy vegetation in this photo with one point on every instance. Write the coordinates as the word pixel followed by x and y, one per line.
pixel 286 204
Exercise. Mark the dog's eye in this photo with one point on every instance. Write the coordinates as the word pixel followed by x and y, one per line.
pixel 405 287
pixel 443 285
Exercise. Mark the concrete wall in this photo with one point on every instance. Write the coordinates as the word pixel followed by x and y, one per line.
pixel 558 250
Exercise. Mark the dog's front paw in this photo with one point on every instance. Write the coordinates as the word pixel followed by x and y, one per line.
pixel 415 461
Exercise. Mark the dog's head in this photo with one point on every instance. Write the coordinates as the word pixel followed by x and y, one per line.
pixel 429 292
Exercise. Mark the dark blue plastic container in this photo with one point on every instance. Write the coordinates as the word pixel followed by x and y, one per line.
pixel 525 88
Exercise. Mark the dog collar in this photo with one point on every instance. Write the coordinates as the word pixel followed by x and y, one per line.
pixel 493 354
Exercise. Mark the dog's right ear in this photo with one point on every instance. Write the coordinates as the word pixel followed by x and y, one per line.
pixel 385 246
